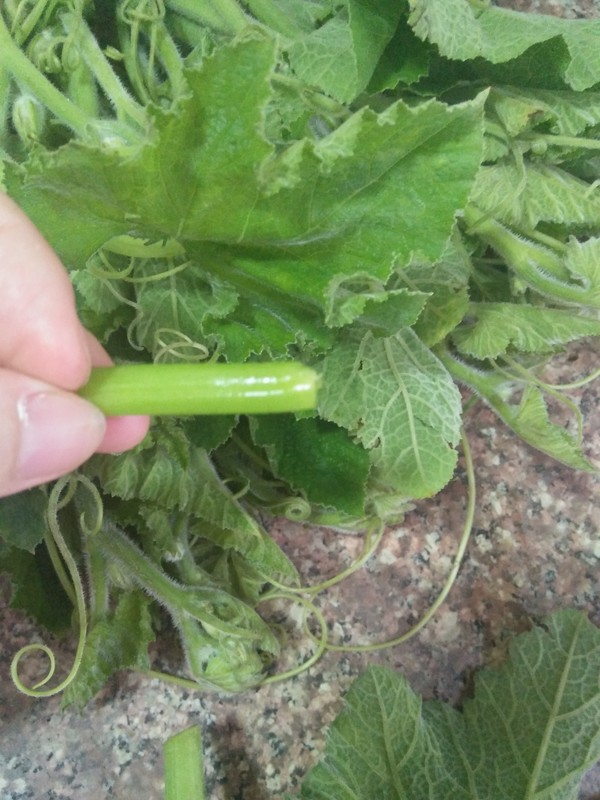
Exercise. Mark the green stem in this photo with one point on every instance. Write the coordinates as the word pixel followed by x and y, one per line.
pixel 14 61
pixel 539 268
pixel 22 28
pixel 486 384
pixel 129 41
pixel 537 430
pixel 579 142
pixel 194 389
pixel 184 766
pixel 221 15
pixel 170 59
pixel 118 547
pixel 98 584
pixel 269 14
pixel 187 606
pixel 126 107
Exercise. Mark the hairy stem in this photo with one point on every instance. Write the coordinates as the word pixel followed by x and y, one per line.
pixel 126 107
pixel 14 61
pixel 221 15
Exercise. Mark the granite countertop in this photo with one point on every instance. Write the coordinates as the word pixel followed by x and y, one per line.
pixel 535 548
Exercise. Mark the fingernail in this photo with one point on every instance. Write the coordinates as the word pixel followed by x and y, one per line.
pixel 59 431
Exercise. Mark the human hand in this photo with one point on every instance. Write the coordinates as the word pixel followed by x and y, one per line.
pixel 45 355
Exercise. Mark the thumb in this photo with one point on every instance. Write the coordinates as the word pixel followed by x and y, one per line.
pixel 46 432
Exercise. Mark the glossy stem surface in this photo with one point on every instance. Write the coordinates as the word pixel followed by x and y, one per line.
pixel 191 389
pixel 183 766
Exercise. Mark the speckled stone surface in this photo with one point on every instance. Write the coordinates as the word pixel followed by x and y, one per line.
pixel 535 548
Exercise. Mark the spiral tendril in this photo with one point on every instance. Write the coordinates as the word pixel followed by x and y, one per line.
pixel 61 495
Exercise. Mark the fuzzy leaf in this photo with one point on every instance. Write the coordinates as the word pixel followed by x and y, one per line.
pixel 181 309
pixel 582 260
pixel 276 230
pixel 384 312
pixel 401 404
pixel 120 641
pixel 499 327
pixel 340 56
pixel 446 284
pixel 167 472
pixel 564 113
pixel 529 732
pixel 404 61
pixel 464 30
pixel 539 192
pixel 239 529
pixel 529 419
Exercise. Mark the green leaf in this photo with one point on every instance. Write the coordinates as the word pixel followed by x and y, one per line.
pixel 464 30
pixel 446 284
pixel 277 230
pixel 181 309
pixel 340 56
pixel 529 419
pixel 495 328
pixel 564 113
pixel 582 260
pixel 120 641
pixel 401 404
pixel 35 587
pixel 238 529
pixel 167 472
pixel 530 730
pixel 316 458
pixel 208 432
pixel 532 423
pixel 23 519
pixel 538 192
pixel 384 312
pixel 404 61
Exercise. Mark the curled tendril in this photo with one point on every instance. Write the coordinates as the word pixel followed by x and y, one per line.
pixel 132 329
pixel 310 609
pixel 62 493
pixel 296 509
pixel 91 523
pixel 372 541
pixel 114 291
pixel 180 346
pixel 102 267
pixel 134 11
pixel 96 513
pixel 33 691
pixel 449 582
